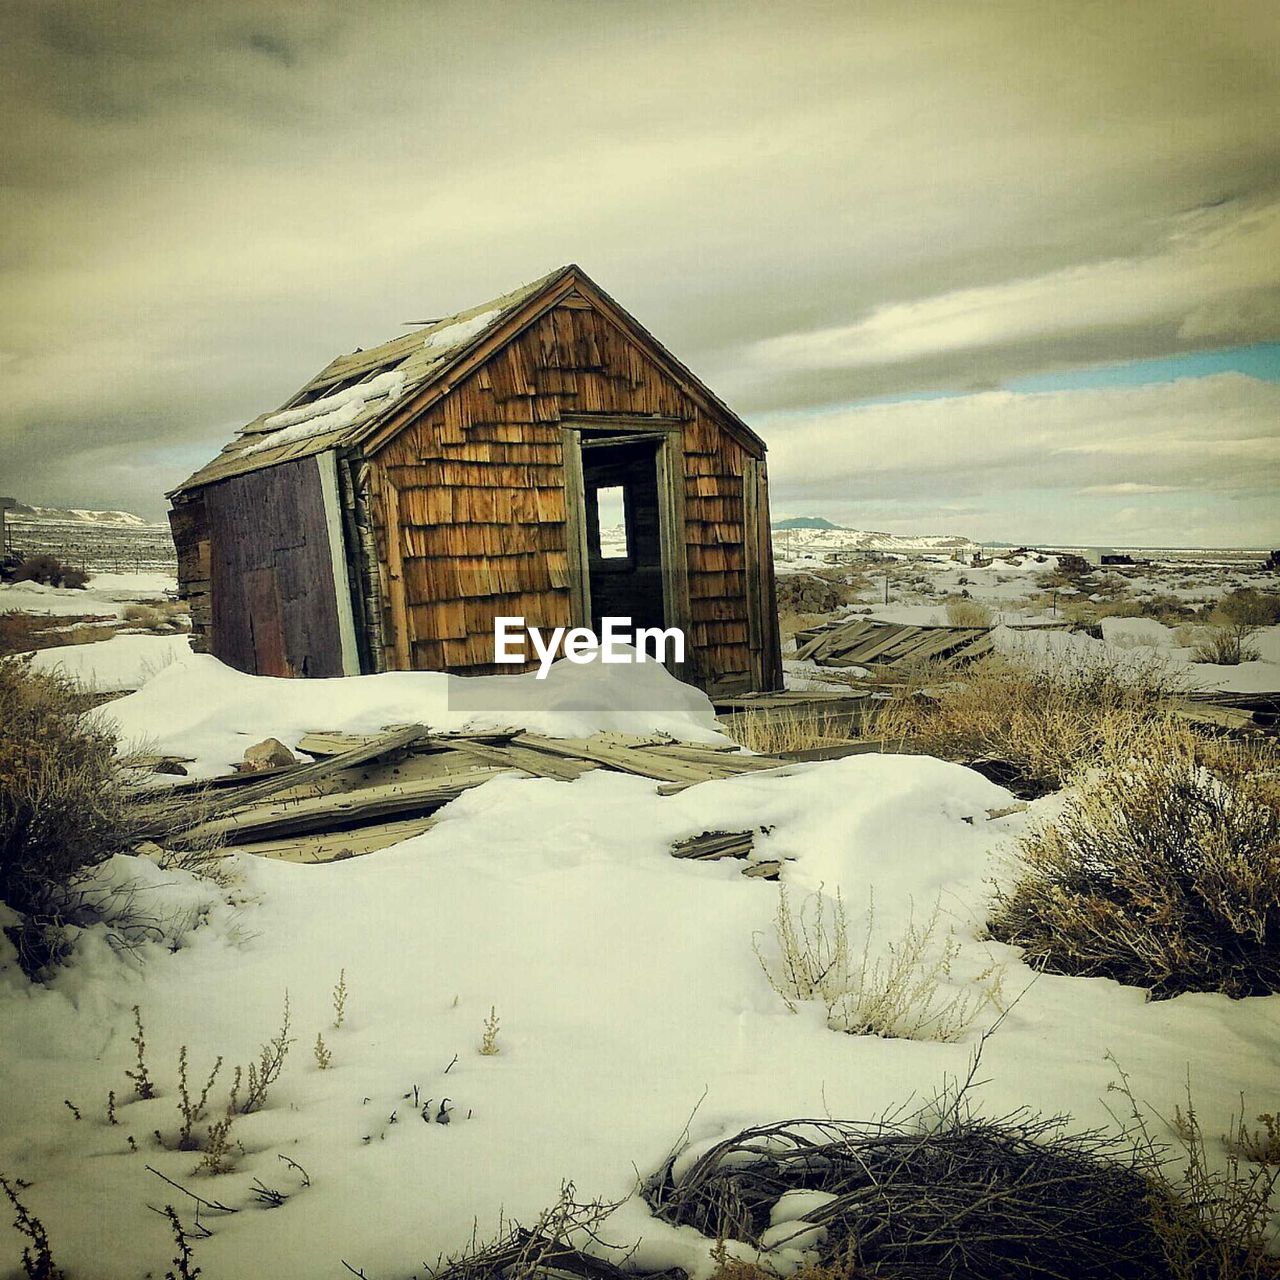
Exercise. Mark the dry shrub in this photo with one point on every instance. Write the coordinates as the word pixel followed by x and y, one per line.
pixel 941 1194
pixel 66 806
pixel 1225 646
pixel 773 733
pixel 1247 606
pixel 62 801
pixel 1162 872
pixel 1213 1219
pixel 963 612
pixel 1044 721
pixel 934 1193
pixel 900 997
pixel 1259 1144
pixel 822 591
pixel 49 570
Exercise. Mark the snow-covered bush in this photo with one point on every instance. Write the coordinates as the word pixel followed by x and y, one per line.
pixel 901 995
pixel 1045 720
pixel 62 803
pixel 1163 872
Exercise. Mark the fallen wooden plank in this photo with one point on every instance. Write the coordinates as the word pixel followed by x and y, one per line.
pixel 836 751
pixel 1208 713
pixel 711 845
pixel 511 755
pixel 645 764
pixel 333 812
pixel 334 846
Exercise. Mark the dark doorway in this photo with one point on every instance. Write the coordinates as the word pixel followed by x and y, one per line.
pixel 624 536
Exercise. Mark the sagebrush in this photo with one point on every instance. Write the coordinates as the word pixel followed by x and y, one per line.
pixel 62 799
pixel 1161 872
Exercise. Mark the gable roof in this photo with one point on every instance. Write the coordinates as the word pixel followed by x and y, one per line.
pixel 357 395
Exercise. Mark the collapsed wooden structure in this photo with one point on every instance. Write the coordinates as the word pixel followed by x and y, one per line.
pixel 865 643
pixel 364 792
pixel 412 492
pixel 883 646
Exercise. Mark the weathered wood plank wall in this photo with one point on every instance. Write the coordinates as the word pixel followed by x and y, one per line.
pixel 274 610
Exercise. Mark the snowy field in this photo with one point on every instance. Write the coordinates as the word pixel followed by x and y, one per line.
pixel 918 587
pixel 630 999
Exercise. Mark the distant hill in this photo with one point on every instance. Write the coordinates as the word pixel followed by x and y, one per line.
pixel 805 522
pixel 833 538
pixel 75 515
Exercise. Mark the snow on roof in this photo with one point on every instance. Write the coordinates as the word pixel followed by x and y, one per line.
pixel 336 418
pixel 447 337
pixel 329 413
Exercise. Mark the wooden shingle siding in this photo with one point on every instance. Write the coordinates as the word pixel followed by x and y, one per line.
pixel 479 491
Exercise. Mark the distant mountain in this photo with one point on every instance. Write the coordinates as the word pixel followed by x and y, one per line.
pixel 75 515
pixel 805 522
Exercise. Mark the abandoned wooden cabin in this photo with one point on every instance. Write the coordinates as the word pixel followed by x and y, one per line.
pixel 412 492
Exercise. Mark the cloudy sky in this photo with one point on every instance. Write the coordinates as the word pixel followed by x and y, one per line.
pixel 1009 269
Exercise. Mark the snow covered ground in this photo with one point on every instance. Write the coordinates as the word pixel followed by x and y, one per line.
pixel 1011 588
pixel 625 981
pixel 105 595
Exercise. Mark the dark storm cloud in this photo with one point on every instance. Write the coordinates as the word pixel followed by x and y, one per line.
pixel 809 202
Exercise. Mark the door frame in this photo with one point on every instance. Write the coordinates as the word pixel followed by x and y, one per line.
pixel 669 433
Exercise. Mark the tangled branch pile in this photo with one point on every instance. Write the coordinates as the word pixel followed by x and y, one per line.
pixel 1012 1198
pixel 922 1196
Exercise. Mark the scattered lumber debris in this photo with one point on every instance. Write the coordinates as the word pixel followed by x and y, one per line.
pixel 711 846
pixel 147 763
pixel 363 792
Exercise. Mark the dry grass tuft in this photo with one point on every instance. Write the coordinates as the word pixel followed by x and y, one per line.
pixel 25 632
pixel 902 996
pixel 158 616
pixel 1225 646
pixel 1044 721
pixel 1163 871
pixel 773 733
pixel 963 612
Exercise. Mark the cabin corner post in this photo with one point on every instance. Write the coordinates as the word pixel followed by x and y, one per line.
pixel 675 562
pixel 330 492
pixel 363 554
